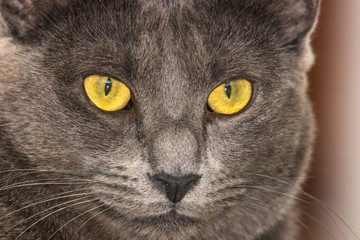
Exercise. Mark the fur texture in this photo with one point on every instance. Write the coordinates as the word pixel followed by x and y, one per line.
pixel 72 171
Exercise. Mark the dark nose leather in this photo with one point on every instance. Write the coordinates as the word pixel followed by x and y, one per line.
pixel 176 187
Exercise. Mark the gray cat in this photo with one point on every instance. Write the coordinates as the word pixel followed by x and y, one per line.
pixel 153 119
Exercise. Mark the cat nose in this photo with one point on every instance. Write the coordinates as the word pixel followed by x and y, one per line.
pixel 176 187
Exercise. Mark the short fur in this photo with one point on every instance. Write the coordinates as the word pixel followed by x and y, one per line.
pixel 171 54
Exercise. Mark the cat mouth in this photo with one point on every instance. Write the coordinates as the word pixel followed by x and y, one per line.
pixel 170 223
pixel 172 215
pixel 170 218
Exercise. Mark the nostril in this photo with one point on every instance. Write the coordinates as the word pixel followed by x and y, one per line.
pixel 176 187
pixel 191 179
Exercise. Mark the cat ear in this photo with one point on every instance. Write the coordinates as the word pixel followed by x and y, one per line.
pixel 24 16
pixel 297 18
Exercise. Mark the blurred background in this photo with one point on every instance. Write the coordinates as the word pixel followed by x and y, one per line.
pixel 335 92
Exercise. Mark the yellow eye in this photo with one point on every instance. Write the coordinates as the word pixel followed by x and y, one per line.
pixel 106 93
pixel 230 97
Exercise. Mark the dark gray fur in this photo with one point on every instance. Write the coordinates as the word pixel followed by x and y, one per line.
pixel 171 54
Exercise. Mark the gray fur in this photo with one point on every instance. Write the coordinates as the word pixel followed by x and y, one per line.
pixel 171 54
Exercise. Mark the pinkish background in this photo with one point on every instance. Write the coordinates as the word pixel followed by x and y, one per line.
pixel 335 91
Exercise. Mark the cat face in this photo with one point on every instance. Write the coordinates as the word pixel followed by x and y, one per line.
pixel 166 166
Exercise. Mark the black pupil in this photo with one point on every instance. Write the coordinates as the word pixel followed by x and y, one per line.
pixel 107 86
pixel 228 89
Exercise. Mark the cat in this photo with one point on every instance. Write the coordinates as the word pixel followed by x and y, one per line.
pixel 154 119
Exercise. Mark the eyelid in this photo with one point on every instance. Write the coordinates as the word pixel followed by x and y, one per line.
pixel 119 77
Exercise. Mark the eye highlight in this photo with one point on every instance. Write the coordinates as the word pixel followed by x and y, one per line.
pixel 230 97
pixel 107 93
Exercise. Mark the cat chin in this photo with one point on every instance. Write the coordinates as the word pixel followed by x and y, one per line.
pixel 168 225
pixel 172 225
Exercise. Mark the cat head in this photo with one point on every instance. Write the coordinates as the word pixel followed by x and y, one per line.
pixel 166 163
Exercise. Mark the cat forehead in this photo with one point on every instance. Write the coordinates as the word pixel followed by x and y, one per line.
pixel 224 34
pixel 183 40
pixel 25 17
pixel 272 20
pixel 148 22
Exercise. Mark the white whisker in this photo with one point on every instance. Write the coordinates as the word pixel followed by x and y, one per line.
pixel 318 201
pixel 46 183
pixel 92 209
pixel 48 200
pixel 88 221
pixel 36 214
pixel 61 209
